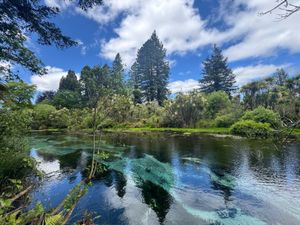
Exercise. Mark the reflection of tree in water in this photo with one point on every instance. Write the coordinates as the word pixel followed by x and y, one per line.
pixel 222 182
pixel 69 160
pixel 157 198
pixel 120 184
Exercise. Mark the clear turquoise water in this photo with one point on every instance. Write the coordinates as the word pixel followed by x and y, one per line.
pixel 173 179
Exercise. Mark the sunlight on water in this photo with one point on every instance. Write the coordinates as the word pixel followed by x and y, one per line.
pixel 180 180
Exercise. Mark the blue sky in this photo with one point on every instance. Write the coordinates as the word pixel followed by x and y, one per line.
pixel 255 45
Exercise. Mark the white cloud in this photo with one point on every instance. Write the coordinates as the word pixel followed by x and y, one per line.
pixel 109 10
pixel 181 28
pixel 177 23
pixel 183 86
pixel 49 81
pixel 62 5
pixel 251 73
pixel 261 36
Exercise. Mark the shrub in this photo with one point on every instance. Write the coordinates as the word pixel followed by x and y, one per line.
pixel 41 116
pixel 59 118
pixel 263 115
pixel 216 102
pixel 250 128
pixel 185 110
pixel 224 120
pixel 205 123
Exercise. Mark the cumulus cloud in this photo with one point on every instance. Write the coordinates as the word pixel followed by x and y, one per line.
pixel 260 36
pixel 182 29
pixel 251 73
pixel 252 35
pixel 177 23
pixel 183 86
pixel 49 81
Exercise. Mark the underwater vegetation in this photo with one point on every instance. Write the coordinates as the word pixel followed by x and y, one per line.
pixel 160 184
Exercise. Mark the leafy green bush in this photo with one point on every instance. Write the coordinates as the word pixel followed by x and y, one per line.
pixel 15 162
pixel 250 128
pixel 59 118
pixel 263 115
pixel 224 120
pixel 41 116
pixel 216 102
pixel 185 110
pixel 205 123
pixel 67 99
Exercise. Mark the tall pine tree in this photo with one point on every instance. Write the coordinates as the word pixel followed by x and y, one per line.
pixel 117 76
pixel 134 84
pixel 217 76
pixel 152 70
pixel 69 82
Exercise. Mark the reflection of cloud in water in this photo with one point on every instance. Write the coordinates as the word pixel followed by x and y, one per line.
pixel 46 166
pixel 135 210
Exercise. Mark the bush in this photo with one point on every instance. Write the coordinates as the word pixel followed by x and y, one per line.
pixel 263 115
pixel 41 116
pixel 205 123
pixel 224 120
pixel 185 110
pixel 59 118
pixel 250 128
pixel 217 102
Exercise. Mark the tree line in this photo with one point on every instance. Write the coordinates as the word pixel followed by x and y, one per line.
pixel 141 99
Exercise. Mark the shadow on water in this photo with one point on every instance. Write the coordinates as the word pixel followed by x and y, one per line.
pixel 175 179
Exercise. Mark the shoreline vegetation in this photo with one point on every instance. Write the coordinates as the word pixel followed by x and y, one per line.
pixel 217 130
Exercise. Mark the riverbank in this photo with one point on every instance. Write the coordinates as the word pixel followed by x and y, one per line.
pixel 176 130
pixel 226 131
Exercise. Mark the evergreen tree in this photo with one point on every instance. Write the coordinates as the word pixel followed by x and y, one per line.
pixel 45 96
pixel 280 76
pixel 69 82
pixel 117 76
pixel 94 84
pixel 152 70
pixel 217 76
pixel 134 83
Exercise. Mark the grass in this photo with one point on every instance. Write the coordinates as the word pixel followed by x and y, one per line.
pixel 177 130
pixel 295 132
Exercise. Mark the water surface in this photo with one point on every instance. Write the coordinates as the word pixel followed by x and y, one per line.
pixel 173 179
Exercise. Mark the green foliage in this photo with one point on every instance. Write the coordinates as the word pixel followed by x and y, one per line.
pixel 185 110
pixel 19 94
pixel 41 116
pixel 95 83
pixel 151 71
pixel 251 129
pixel 79 119
pixel 217 102
pixel 224 120
pixel 60 118
pixel 263 115
pixel 45 97
pixel 117 82
pixel 217 76
pixel 15 22
pixel 205 123
pixel 67 99
pixel 30 17
pixel 69 83
pixel 15 163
